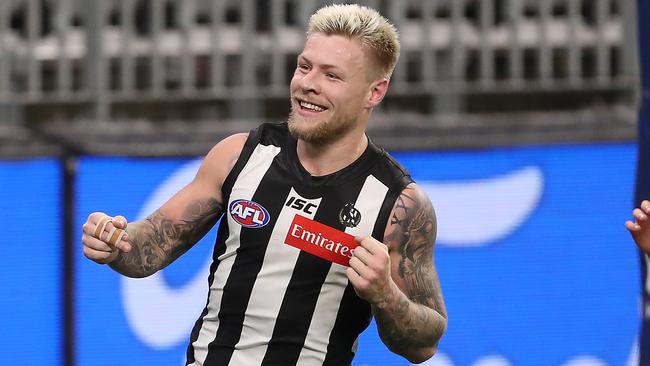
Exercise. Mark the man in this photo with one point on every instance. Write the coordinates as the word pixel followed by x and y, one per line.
pixel 640 228
pixel 287 286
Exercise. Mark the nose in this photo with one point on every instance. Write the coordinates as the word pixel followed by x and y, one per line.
pixel 308 83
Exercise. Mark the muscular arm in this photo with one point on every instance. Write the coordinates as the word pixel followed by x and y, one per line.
pixel 160 239
pixel 182 221
pixel 412 318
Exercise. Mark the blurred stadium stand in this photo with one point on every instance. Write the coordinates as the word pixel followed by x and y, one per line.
pixel 172 77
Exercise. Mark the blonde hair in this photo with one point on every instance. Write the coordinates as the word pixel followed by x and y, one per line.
pixel 371 29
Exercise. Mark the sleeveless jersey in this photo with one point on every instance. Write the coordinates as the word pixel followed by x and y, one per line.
pixel 270 303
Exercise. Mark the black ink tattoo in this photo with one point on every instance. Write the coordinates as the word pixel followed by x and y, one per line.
pixel 413 232
pixel 420 316
pixel 158 240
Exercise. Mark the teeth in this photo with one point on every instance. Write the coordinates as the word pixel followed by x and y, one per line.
pixel 312 107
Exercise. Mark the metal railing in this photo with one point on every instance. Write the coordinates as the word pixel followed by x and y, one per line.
pixel 108 53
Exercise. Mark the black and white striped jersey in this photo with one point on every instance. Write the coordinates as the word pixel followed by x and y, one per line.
pixel 270 303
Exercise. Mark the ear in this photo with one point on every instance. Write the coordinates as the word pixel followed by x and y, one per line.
pixel 378 90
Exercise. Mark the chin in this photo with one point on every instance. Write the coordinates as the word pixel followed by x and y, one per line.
pixel 318 131
pixel 317 134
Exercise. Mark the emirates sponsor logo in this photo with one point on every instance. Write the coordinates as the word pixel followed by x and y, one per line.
pixel 320 240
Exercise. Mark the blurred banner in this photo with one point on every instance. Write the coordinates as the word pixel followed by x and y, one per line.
pixel 31 248
pixel 643 165
pixel 531 256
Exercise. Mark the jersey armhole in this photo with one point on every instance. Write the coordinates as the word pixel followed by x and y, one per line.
pixel 387 206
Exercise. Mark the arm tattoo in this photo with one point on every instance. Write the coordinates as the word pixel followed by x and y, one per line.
pixel 158 240
pixel 420 316
pixel 414 232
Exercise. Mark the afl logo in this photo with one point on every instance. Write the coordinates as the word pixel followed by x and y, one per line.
pixel 248 213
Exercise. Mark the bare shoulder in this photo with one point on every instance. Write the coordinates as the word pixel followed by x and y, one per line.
pixel 221 158
pixel 227 150
pixel 412 220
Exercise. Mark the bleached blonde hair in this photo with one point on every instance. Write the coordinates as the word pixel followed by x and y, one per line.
pixel 375 33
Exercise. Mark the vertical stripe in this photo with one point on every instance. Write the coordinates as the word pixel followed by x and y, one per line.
pixel 250 177
pixel 313 352
pixel 219 249
pixel 368 203
pixel 269 290
pixel 353 317
pixel 296 310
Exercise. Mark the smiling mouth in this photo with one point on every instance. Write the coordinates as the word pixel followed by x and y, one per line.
pixel 310 106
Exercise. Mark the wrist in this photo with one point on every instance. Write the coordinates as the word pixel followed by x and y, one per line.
pixel 112 259
pixel 389 296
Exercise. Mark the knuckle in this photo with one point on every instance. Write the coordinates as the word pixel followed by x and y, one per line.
pixel 376 267
pixel 363 284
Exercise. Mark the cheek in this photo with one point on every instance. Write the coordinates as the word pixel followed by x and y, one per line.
pixel 295 82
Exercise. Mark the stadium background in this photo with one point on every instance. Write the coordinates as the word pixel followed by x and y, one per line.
pixel 518 117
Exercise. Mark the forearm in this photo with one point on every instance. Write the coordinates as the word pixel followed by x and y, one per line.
pixel 147 255
pixel 160 239
pixel 408 328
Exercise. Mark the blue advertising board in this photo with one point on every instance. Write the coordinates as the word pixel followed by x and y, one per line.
pixel 534 261
pixel 31 251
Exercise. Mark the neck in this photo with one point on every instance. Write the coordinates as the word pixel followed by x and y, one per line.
pixel 321 160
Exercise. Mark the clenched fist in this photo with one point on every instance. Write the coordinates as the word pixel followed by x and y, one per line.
pixel 104 237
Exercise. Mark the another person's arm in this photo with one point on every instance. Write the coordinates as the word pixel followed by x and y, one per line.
pixel 153 243
pixel 640 228
pixel 399 278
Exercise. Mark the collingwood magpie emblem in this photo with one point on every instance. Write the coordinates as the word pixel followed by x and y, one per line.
pixel 349 215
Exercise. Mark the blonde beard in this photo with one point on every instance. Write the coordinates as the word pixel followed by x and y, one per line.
pixel 322 132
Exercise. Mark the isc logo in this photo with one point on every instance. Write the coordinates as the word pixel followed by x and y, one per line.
pixel 248 213
pixel 301 204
